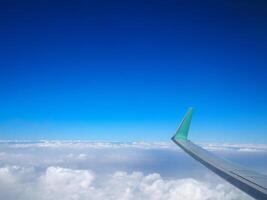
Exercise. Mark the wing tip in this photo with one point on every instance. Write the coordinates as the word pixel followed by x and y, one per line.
pixel 182 131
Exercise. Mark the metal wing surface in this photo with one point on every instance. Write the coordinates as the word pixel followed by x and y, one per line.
pixel 250 182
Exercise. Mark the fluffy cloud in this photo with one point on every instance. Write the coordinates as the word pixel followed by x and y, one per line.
pixel 78 170
pixel 61 183
pixel 57 183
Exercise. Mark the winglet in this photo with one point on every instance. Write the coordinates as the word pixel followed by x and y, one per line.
pixel 182 131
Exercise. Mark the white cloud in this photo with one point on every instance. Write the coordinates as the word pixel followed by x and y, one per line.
pixel 61 183
pixel 89 144
pixel 236 147
pixel 57 183
pixel 76 144
pixel 85 170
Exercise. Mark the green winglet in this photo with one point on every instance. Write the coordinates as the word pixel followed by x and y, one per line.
pixel 182 132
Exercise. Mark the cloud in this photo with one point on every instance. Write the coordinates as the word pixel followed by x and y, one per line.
pixel 57 183
pixel 79 170
pixel 87 144
pixel 76 144
pixel 252 150
pixel 62 183
pixel 236 147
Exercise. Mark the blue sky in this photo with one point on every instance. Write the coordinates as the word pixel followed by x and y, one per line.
pixel 128 70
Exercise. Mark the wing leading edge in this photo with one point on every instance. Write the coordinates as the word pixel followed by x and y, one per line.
pixel 252 183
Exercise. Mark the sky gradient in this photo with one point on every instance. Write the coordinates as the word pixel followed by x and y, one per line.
pixel 128 70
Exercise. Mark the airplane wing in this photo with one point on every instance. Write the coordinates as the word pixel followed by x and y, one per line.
pixel 250 182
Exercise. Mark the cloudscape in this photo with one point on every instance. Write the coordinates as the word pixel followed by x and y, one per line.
pixel 51 170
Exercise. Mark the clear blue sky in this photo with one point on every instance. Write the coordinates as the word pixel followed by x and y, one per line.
pixel 128 70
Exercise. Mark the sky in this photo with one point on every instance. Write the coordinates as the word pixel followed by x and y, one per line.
pixel 128 70
pixel 79 170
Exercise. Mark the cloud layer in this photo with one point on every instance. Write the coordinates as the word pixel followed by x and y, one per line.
pixel 61 183
pixel 79 170
pixel 141 145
